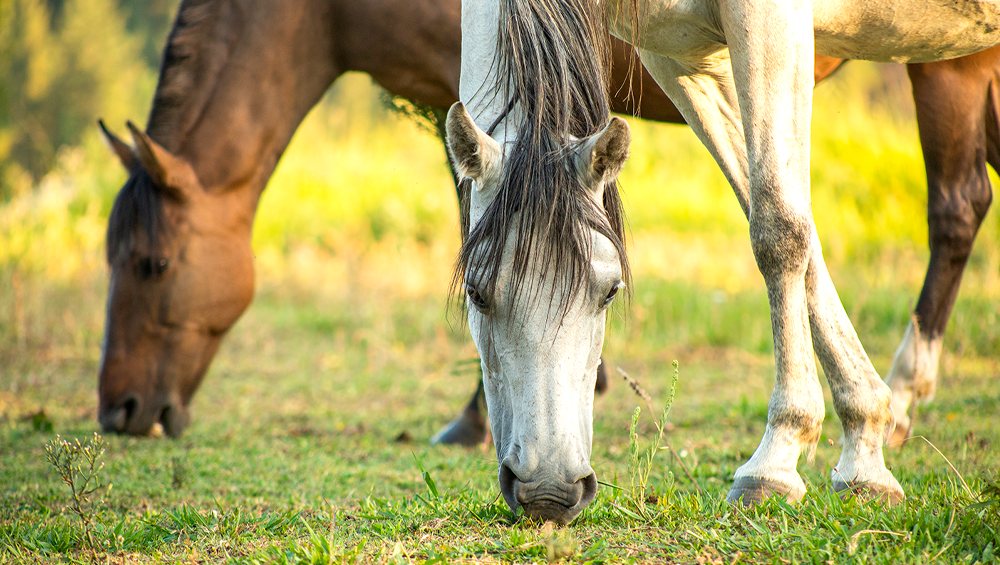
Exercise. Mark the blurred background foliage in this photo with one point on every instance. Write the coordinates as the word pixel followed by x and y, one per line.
pixel 62 64
pixel 362 206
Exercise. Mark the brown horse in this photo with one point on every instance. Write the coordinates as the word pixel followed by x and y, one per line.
pixel 238 76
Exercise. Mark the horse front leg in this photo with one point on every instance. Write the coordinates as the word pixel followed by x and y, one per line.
pixel 771 49
pixel 772 52
pixel 957 115
pixel 777 202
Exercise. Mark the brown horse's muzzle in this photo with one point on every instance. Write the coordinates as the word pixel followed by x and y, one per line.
pixel 130 415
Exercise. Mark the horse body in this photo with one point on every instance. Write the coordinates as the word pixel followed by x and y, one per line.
pixel 899 31
pixel 741 74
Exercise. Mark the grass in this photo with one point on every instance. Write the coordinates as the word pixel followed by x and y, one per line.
pixel 293 454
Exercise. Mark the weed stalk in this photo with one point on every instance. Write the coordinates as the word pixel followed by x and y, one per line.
pixel 79 465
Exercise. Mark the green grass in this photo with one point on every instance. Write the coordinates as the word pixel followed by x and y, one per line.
pixel 293 454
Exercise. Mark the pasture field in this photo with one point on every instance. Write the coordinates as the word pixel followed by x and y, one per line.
pixel 309 440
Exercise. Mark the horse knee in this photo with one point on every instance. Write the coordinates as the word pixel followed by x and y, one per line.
pixel 781 238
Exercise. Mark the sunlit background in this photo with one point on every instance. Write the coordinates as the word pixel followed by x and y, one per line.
pixel 362 213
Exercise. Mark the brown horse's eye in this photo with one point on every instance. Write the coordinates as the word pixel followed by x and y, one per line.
pixel 148 267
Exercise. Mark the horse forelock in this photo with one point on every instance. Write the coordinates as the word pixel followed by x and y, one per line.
pixel 199 45
pixel 552 59
pixel 138 206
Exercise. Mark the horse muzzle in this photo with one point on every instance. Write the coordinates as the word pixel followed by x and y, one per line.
pixel 548 500
pixel 133 417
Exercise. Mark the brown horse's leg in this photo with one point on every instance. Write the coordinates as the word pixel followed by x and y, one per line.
pixel 469 427
pixel 956 104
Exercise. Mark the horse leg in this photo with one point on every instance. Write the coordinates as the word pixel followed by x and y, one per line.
pixel 804 303
pixel 781 234
pixel 771 46
pixel 956 104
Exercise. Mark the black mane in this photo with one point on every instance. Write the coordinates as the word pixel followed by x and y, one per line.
pixel 199 45
pixel 553 60
pixel 137 205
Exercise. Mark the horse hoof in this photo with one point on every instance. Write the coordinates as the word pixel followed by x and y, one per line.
pixel 601 385
pixel 463 431
pixel 751 491
pixel 869 492
pixel 899 435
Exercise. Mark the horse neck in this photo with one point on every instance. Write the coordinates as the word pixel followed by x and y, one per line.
pixel 410 47
pixel 232 112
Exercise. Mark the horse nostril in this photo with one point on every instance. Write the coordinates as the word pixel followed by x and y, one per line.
pixel 130 405
pixel 116 418
pixel 507 480
pixel 174 419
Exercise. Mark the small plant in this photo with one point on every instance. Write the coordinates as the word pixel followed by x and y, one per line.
pixel 79 465
pixel 641 463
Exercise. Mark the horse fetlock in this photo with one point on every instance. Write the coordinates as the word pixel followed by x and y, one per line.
pixel 913 376
pixel 863 407
pixel 861 469
pixel 771 469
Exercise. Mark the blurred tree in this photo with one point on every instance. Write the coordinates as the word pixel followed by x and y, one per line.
pixel 63 63
pixel 150 21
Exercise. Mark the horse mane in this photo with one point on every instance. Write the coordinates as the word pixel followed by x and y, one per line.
pixel 137 204
pixel 552 58
pixel 199 45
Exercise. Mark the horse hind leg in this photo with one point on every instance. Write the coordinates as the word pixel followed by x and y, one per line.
pixel 956 103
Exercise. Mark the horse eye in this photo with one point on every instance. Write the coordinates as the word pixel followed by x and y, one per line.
pixel 147 267
pixel 144 268
pixel 474 297
pixel 613 292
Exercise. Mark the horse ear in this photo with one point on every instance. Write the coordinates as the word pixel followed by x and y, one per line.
pixel 157 161
pixel 472 151
pixel 124 152
pixel 608 150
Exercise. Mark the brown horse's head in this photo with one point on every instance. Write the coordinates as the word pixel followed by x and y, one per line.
pixel 181 275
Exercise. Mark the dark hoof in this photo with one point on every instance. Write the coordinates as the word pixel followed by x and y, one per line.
pixel 869 492
pixel 468 429
pixel 751 491
pixel 601 386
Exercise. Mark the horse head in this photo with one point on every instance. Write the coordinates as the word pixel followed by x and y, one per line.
pixel 181 275
pixel 538 283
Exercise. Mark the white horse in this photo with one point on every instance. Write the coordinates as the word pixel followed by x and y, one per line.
pixel 538 279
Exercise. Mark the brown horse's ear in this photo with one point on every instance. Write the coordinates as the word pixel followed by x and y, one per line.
pixel 124 152
pixel 157 161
